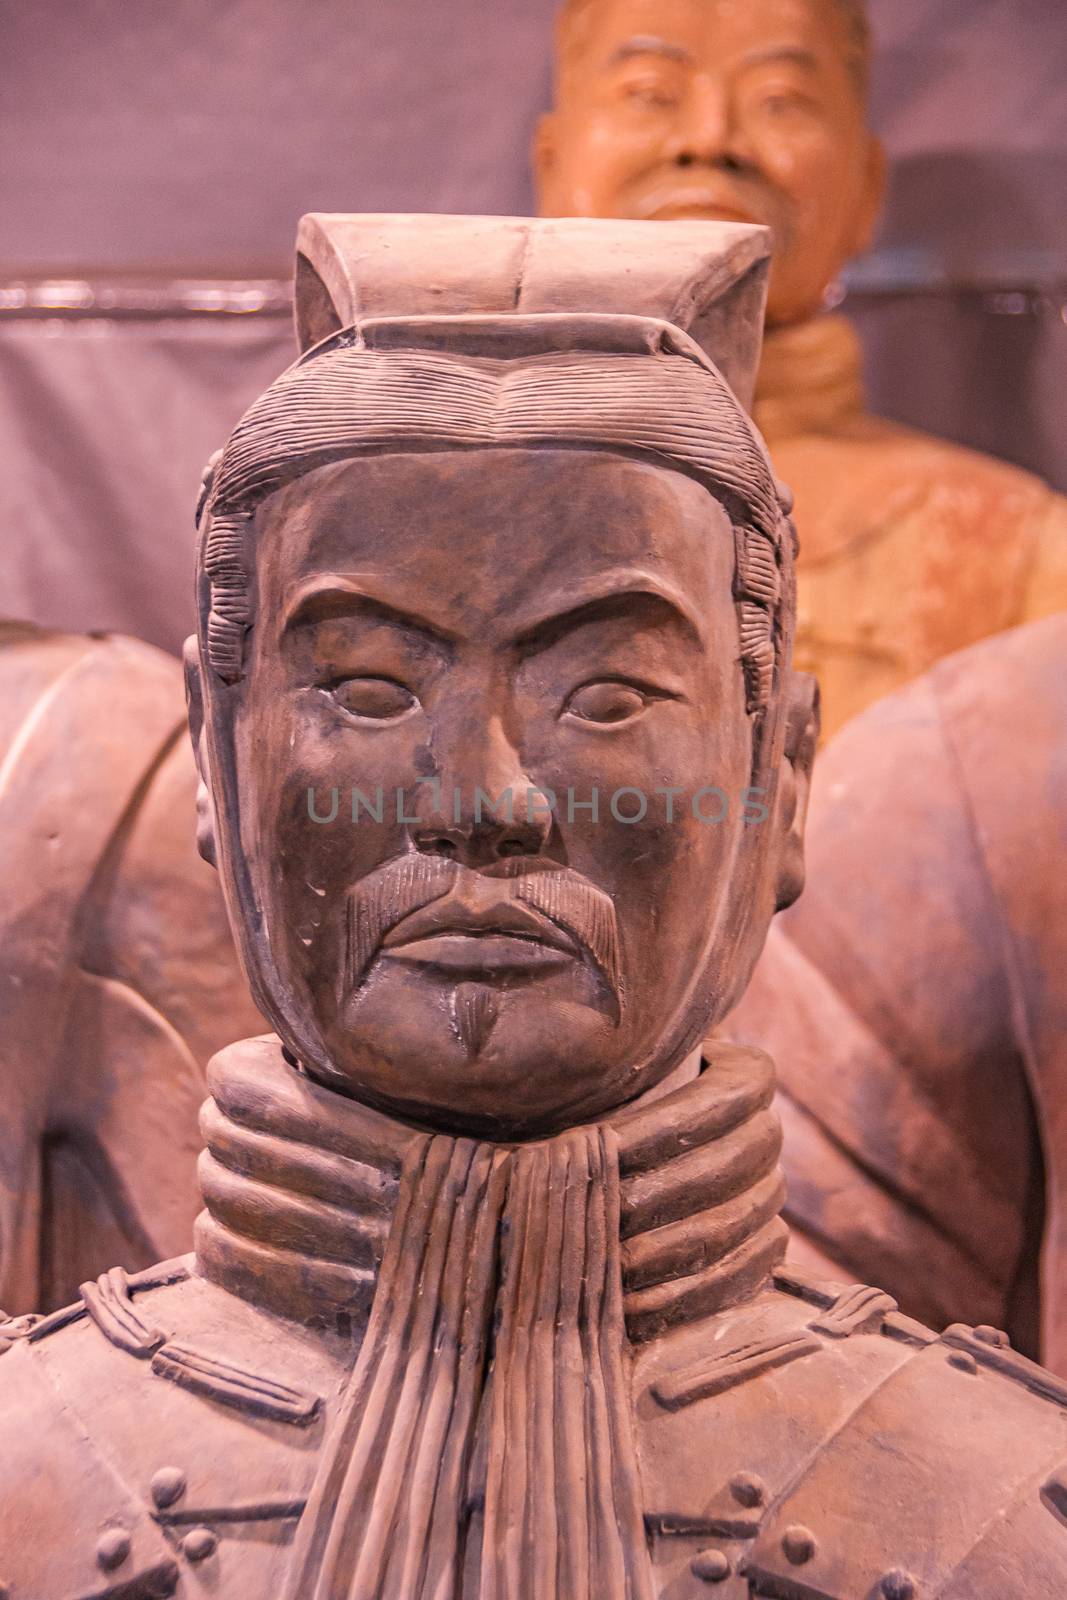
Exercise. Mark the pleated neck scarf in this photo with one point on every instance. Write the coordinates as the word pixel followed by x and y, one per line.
pixel 483 1446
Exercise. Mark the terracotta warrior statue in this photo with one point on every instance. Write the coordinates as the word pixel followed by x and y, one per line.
pixel 117 975
pixel 506 767
pixel 911 547
pixel 915 999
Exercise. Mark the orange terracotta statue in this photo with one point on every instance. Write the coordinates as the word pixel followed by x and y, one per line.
pixel 667 109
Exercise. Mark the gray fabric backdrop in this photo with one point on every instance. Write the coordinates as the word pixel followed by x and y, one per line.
pixel 190 136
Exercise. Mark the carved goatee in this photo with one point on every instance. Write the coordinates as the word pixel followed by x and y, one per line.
pixel 475 1008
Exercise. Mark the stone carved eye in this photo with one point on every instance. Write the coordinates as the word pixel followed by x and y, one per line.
pixel 607 702
pixel 373 699
pixel 657 95
pixel 784 100
pixel 780 105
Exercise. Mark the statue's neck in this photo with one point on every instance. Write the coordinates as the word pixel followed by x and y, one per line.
pixel 810 378
pixel 686 1071
pixel 301 1187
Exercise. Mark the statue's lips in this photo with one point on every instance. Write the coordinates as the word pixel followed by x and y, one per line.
pixel 678 203
pixel 507 936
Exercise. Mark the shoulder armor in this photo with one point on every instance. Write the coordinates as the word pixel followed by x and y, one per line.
pixel 851 1308
pixel 885 1424
pixel 157 1429
pixel 944 1428
pixel 989 1347
pixel 74 1532
pixel 108 1302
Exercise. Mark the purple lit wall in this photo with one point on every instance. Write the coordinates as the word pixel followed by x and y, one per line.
pixel 189 137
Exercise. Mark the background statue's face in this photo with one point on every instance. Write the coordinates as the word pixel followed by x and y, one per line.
pixel 445 627
pixel 713 109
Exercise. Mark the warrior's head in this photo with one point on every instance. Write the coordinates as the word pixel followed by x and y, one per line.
pixel 494 672
pixel 753 112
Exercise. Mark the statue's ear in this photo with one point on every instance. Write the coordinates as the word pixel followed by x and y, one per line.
pixel 798 758
pixel 544 151
pixel 872 196
pixel 194 699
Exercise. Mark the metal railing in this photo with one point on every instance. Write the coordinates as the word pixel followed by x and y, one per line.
pixel 1016 283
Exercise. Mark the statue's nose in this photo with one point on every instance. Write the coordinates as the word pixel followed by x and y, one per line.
pixel 486 807
pixel 483 843
pixel 708 132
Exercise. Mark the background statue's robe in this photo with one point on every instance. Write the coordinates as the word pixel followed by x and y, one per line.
pixel 910 547
pixel 117 973
pixel 916 996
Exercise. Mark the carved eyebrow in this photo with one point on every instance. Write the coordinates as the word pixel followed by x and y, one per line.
pixel 646 45
pixel 320 599
pixel 628 594
pixel 782 52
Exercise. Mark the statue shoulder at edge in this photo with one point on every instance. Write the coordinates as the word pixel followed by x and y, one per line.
pixel 191 1424
pixel 838 1422
pixel 174 1420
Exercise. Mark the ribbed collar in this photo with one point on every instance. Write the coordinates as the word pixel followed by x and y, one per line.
pixel 810 378
pixel 300 1186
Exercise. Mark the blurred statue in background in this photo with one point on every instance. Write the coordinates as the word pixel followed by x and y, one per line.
pixel 915 999
pixel 118 977
pixel 911 547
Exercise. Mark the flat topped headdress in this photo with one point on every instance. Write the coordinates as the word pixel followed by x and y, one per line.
pixel 470 332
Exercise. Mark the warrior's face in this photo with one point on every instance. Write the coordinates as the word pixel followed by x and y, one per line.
pixel 712 109
pixel 451 640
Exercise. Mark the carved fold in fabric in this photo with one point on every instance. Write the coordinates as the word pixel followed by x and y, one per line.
pixel 110 1305
pixel 707 1378
pixel 205 1375
pixel 406 1506
pixel 299 1184
pixel 388 1511
pixel 857 1309
pixel 563 1511
pixel 146 1339
pixel 700 1190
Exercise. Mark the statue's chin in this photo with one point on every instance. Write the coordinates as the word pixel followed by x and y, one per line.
pixel 509 1050
pixel 492 1091
pixel 472 1057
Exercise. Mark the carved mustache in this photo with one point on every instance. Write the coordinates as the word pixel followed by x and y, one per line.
pixel 714 184
pixel 545 903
